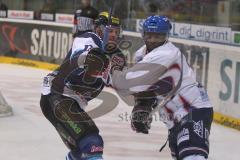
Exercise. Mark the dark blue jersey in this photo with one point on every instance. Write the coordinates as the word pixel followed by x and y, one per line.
pixel 71 73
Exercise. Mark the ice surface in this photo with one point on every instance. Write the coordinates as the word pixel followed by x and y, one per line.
pixel 29 136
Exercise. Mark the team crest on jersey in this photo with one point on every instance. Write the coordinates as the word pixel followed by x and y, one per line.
pixel 198 128
pixel 118 60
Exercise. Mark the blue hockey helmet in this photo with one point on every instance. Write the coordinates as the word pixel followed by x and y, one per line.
pixel 157 24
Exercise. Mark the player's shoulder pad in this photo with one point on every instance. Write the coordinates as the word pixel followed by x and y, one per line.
pixel 168 50
pixel 97 40
pixel 164 55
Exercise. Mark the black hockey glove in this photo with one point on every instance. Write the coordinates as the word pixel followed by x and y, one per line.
pixel 141 119
pixel 97 64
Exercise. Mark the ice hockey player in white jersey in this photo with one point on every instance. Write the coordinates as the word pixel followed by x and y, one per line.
pixel 160 69
pixel 80 78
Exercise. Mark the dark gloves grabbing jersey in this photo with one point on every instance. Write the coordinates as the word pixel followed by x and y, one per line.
pixel 100 64
pixel 141 114
pixel 97 65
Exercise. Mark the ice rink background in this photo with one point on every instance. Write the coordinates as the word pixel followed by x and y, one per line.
pixel 29 136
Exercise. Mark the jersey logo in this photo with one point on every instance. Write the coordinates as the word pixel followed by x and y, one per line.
pixel 118 60
pixel 198 128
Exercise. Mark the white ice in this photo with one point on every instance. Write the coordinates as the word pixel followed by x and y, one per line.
pixel 29 136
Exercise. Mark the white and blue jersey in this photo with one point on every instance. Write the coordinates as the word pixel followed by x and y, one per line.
pixel 156 73
pixel 68 78
pixel 189 95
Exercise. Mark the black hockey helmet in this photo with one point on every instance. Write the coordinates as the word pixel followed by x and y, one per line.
pixel 89 12
pixel 109 30
pixel 103 18
pixel 103 22
pixel 84 19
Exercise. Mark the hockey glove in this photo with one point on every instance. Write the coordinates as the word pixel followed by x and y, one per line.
pixel 97 65
pixel 141 115
pixel 141 120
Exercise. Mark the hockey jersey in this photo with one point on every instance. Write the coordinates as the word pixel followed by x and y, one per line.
pixel 190 94
pixel 68 79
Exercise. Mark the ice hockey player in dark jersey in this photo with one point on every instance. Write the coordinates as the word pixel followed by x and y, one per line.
pixel 118 60
pixel 80 78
